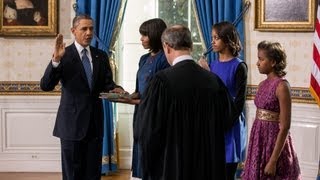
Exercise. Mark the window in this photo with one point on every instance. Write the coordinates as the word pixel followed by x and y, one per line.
pixel 181 12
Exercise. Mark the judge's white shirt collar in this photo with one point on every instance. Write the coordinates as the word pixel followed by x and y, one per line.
pixel 181 58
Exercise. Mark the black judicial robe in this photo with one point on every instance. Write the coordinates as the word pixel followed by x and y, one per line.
pixel 183 117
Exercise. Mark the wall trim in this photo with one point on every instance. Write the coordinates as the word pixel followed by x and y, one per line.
pixel 8 88
pixel 299 94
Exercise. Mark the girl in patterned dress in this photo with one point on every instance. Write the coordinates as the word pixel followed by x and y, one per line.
pixel 270 152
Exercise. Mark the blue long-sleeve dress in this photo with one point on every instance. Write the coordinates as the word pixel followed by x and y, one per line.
pixel 234 75
pixel 148 67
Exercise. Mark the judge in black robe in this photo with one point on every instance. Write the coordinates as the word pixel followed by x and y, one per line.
pixel 183 116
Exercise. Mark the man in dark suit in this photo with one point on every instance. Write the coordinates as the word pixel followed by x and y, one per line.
pixel 79 122
pixel 183 116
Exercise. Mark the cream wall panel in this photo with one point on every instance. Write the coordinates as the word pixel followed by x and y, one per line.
pixel 306 140
pixel 126 134
pixel 26 142
pixel 27 129
pixel 125 139
pixel 30 166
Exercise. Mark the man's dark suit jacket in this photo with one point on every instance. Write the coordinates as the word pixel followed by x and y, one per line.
pixel 78 104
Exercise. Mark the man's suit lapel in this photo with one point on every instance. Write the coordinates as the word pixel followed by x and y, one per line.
pixel 95 64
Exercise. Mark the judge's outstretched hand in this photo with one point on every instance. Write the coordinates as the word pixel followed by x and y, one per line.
pixel 59 48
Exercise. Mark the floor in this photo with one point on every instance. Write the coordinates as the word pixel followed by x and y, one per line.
pixel 121 175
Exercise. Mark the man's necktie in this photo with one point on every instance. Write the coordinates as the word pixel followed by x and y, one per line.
pixel 87 67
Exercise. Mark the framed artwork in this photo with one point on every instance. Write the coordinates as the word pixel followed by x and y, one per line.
pixel 28 17
pixel 279 15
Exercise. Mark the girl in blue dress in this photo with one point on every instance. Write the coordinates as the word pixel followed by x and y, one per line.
pixel 233 72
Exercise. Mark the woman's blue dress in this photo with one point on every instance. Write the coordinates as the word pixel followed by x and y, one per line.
pixel 148 67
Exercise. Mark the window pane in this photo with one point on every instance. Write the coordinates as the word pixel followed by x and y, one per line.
pixel 197 51
pixel 194 29
pixel 174 12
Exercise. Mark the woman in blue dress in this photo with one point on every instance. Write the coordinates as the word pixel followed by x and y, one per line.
pixel 149 64
pixel 233 72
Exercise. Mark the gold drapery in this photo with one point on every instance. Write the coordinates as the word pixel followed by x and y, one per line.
pixel 115 36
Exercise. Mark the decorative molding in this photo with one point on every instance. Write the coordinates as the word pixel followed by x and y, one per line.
pixel 299 94
pixel 25 88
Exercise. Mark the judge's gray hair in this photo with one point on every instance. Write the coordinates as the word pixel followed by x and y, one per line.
pixel 177 37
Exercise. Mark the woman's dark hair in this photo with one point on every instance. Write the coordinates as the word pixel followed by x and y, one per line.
pixel 229 35
pixel 275 52
pixel 153 28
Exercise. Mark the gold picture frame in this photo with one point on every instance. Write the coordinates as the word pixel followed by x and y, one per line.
pixel 278 15
pixel 28 17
